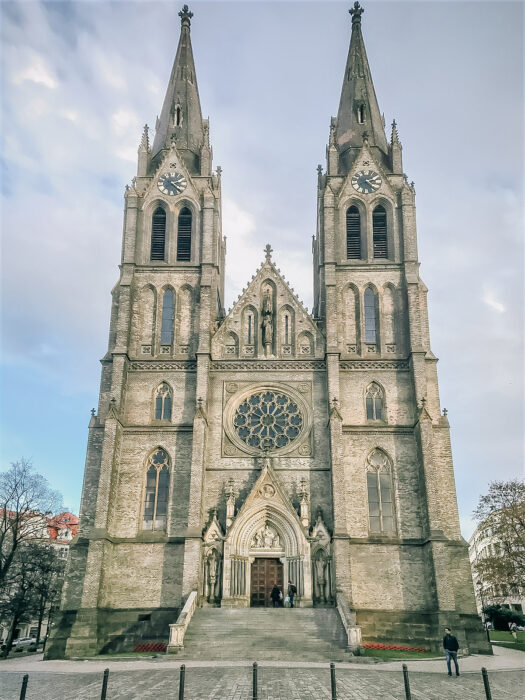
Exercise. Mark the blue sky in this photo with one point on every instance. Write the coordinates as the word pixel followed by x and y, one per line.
pixel 81 78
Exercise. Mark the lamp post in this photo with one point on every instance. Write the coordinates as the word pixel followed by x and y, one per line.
pixel 483 618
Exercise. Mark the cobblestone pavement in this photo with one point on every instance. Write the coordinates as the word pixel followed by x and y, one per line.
pixel 275 683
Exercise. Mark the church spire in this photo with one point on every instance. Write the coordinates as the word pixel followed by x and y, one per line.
pixel 181 117
pixel 358 116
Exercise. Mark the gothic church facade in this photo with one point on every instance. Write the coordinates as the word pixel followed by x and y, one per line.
pixel 232 451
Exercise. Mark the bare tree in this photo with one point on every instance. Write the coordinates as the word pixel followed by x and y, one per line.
pixel 25 500
pixel 502 510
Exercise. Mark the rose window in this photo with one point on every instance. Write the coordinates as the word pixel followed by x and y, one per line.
pixel 268 420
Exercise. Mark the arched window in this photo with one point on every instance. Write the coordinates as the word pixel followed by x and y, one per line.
pixel 157 491
pixel 184 235
pixel 379 486
pixel 370 316
pixel 163 402
pixel 380 233
pixel 168 314
pixel 353 233
pixel 158 234
pixel 374 403
pixel 361 114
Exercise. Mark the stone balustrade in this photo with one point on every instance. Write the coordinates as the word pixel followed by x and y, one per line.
pixel 178 629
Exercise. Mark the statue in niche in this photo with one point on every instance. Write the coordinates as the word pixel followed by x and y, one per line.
pixel 267 317
pixel 267 328
pixel 212 565
pixel 320 566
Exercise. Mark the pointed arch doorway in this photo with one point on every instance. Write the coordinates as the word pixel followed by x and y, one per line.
pixel 267 541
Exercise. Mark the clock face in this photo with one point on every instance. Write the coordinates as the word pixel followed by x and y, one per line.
pixel 366 181
pixel 172 183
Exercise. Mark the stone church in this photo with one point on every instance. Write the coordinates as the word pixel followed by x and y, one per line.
pixel 232 451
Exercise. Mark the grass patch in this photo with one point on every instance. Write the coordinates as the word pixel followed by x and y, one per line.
pixel 399 654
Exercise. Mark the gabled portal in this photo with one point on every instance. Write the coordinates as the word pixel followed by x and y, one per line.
pixel 266 527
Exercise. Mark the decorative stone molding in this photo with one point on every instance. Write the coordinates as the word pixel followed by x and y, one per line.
pixel 257 365
pixel 361 365
pixel 163 365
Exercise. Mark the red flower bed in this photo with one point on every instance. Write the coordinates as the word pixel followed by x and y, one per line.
pixel 150 646
pixel 397 647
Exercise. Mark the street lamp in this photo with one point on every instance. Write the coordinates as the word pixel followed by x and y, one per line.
pixel 483 618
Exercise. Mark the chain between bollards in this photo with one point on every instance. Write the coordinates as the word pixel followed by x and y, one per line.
pixel 408 694
pixel 104 684
pixel 332 681
pixel 181 681
pixel 255 694
pixel 25 681
pixel 486 683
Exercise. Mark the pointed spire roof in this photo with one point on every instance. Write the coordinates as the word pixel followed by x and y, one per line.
pixel 358 116
pixel 181 116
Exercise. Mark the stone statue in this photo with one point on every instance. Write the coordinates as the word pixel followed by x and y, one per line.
pixel 267 330
pixel 213 565
pixel 320 576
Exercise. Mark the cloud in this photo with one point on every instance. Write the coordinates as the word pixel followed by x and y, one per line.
pixel 36 72
pixel 490 301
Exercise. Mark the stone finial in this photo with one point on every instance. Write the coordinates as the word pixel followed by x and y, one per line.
pixel 93 412
pixel 268 252
pixel 334 411
pixel 219 171
pixel 356 13
pixel 319 170
pixel 185 16
pixel 395 135
pixel 144 143
pixel 445 413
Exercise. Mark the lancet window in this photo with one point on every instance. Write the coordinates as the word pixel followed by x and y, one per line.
pixel 353 233
pixel 374 403
pixel 379 486
pixel 168 315
pixel 156 492
pixel 370 316
pixel 158 234
pixel 184 235
pixel 163 402
pixel 379 226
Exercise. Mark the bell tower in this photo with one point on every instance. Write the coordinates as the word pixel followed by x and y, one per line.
pixel 389 440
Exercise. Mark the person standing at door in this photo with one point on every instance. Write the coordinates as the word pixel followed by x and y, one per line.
pixel 275 595
pixel 292 590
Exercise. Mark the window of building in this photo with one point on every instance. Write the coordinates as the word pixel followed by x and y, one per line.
pixel 370 316
pixel 184 235
pixel 157 491
pixel 158 234
pixel 168 315
pixel 163 402
pixel 374 403
pixel 286 329
pixel 353 233
pixel 380 232
pixel 361 114
pixel 250 329
pixel 381 516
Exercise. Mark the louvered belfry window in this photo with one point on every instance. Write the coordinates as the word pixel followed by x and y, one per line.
pixel 353 234
pixel 380 232
pixel 184 236
pixel 158 234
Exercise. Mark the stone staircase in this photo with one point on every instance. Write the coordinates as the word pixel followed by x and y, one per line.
pixel 265 634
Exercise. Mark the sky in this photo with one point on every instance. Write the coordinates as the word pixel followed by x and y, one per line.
pixel 79 81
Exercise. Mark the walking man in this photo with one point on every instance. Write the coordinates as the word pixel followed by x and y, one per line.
pixel 451 646
pixel 292 590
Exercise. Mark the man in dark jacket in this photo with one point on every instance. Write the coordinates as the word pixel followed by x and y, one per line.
pixel 292 590
pixel 451 646
pixel 275 595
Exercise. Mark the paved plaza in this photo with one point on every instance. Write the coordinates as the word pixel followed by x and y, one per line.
pixel 159 678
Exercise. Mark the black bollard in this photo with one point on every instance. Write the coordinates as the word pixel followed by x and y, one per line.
pixel 181 681
pixel 254 676
pixel 332 681
pixel 104 684
pixel 25 681
pixel 486 683
pixel 408 694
